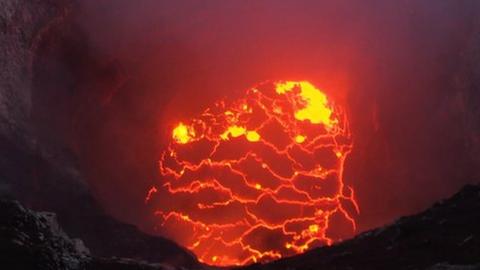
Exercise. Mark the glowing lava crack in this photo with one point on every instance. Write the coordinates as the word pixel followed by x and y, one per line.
pixel 257 179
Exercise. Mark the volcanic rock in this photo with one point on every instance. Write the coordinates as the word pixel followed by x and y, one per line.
pixel 30 240
pixel 446 236
pixel 34 240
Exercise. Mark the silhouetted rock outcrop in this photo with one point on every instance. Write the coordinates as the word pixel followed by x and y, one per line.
pixel 446 236
pixel 30 240
pixel 34 240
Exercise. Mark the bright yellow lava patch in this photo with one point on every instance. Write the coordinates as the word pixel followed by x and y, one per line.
pixel 236 131
pixel 299 139
pixel 313 228
pixel 183 134
pixel 316 108
pixel 253 136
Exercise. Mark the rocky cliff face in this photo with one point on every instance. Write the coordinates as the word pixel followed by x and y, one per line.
pixel 22 27
pixel 22 24
pixel 43 174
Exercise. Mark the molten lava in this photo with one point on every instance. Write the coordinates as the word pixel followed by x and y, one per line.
pixel 257 179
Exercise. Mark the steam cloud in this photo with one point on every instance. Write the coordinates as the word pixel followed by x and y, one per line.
pixel 398 66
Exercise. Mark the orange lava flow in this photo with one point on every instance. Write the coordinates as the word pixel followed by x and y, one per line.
pixel 257 179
